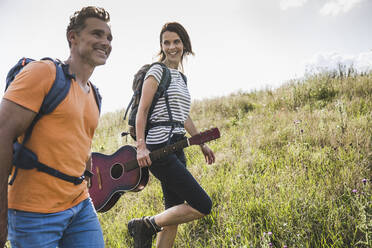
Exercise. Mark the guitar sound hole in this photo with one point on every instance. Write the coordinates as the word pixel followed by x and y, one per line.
pixel 116 171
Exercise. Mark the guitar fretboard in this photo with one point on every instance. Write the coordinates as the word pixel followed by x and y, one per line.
pixel 160 153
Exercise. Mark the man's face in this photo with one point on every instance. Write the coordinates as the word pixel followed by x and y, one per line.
pixel 93 43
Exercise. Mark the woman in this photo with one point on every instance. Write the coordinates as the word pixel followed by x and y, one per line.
pixel 185 200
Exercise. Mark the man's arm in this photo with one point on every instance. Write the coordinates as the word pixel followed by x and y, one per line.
pixel 14 120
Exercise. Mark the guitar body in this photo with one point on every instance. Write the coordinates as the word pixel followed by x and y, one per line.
pixel 111 178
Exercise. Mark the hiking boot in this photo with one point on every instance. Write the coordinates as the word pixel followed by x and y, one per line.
pixel 142 232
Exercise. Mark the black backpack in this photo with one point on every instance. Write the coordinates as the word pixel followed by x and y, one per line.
pixel 23 157
pixel 162 90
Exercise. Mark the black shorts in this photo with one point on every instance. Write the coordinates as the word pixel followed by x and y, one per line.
pixel 177 182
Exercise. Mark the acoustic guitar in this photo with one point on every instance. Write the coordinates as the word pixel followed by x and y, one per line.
pixel 116 174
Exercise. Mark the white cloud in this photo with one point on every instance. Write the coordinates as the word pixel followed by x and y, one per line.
pixel 331 61
pixel 330 7
pixel 286 4
pixel 335 7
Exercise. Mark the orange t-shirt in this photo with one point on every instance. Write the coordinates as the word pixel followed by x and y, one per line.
pixel 61 140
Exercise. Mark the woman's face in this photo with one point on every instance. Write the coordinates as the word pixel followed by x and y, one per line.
pixel 172 47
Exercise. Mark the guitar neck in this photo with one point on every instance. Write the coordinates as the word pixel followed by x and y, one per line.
pixel 197 139
pixel 160 153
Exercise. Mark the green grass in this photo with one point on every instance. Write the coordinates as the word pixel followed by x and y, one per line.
pixel 290 162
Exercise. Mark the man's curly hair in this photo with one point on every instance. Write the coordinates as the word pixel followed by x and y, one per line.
pixel 77 20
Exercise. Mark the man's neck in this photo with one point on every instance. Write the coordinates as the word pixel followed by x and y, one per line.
pixel 81 70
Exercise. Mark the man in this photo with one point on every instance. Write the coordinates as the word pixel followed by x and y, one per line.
pixel 42 210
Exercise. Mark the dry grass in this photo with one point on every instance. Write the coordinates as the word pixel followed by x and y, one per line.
pixel 290 162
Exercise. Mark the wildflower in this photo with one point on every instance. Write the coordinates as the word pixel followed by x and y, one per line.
pixel 355 190
pixel 364 180
pixel 270 244
pixel 284 246
pixel 269 233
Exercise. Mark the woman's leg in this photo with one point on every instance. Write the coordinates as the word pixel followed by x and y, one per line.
pixel 169 220
pixel 166 237
pixel 178 186
pixel 176 215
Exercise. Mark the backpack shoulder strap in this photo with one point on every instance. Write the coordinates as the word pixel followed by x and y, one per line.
pixel 165 80
pixel 163 86
pixel 54 97
pixel 59 89
pixel 184 77
pixel 97 96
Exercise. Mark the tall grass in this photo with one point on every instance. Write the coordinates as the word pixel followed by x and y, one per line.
pixel 293 168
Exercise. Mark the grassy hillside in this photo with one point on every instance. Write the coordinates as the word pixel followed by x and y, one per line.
pixel 293 168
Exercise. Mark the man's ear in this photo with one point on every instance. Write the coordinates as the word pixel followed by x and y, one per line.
pixel 71 36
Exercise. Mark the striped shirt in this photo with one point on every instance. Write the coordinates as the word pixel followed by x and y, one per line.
pixel 179 102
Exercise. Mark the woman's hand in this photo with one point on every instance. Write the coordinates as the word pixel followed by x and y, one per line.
pixel 143 157
pixel 208 154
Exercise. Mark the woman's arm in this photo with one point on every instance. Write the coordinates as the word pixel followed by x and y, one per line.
pixel 192 130
pixel 149 88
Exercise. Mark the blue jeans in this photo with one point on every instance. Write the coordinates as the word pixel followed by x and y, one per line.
pixel 75 227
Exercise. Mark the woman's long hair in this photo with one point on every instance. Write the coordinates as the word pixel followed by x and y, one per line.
pixel 182 33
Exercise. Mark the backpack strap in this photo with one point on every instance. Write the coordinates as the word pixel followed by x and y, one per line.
pixel 26 159
pixel 59 90
pixel 165 81
pixel 97 96
pixel 162 90
pixel 184 77
pixel 163 86
pixel 22 156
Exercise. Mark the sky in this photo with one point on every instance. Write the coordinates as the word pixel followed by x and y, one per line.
pixel 239 45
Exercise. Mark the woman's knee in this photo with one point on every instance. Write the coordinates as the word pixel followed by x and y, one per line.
pixel 170 228
pixel 207 208
pixel 204 208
